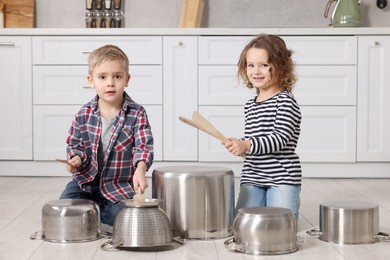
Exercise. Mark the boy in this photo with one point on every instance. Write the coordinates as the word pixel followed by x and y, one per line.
pixel 110 142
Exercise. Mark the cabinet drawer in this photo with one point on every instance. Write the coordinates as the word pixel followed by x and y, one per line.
pixel 328 134
pixel 52 123
pixel 75 50
pixel 307 49
pixel 316 85
pixel 219 85
pixel 68 85
pixel 326 85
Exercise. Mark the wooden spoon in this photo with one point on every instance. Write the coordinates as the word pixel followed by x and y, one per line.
pixel 64 162
pixel 201 123
pixel 198 119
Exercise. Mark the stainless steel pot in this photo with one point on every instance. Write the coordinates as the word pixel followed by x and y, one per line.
pixel 140 224
pixel 263 231
pixel 199 200
pixel 69 220
pixel 349 222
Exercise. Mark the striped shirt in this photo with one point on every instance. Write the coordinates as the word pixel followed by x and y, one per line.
pixel 273 128
pixel 131 141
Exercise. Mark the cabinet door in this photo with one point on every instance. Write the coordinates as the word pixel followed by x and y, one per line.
pixel 51 125
pixel 16 102
pixel 327 134
pixel 180 97
pixel 373 141
pixel 229 120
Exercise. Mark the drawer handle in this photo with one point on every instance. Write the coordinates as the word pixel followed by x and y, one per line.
pixel 87 86
pixel 180 43
pixel 7 44
pixel 87 52
pixel 377 43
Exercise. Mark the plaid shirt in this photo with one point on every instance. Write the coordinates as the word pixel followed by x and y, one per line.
pixel 131 141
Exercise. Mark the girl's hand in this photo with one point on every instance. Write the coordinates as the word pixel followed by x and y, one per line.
pixel 75 162
pixel 237 147
pixel 140 182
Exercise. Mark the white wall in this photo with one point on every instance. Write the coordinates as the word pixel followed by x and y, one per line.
pixel 217 13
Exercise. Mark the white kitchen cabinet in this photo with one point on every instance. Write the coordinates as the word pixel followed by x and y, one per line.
pixel 16 102
pixel 180 97
pixel 373 143
pixel 342 90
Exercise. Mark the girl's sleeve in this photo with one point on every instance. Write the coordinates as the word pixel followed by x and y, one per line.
pixel 288 119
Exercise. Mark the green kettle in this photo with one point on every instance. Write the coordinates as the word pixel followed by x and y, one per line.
pixel 345 14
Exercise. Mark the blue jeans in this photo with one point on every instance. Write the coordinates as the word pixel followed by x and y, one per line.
pixel 108 209
pixel 286 196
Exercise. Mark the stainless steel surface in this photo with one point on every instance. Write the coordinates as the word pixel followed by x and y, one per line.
pixel 140 224
pixel 264 231
pixel 199 200
pixel 69 220
pixel 349 222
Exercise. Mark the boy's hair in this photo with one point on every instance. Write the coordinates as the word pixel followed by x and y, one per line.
pixel 104 53
pixel 279 58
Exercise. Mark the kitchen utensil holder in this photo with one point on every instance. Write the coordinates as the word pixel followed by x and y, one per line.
pixel 104 14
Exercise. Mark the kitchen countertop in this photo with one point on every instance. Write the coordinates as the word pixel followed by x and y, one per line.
pixel 193 31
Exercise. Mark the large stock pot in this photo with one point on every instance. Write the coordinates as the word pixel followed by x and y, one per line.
pixel 198 200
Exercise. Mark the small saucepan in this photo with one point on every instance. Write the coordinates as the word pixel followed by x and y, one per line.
pixel 263 231
pixel 349 222
pixel 70 221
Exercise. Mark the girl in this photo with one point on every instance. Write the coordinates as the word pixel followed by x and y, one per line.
pixel 271 175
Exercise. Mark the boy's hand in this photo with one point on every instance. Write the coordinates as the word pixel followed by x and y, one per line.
pixel 139 179
pixel 75 162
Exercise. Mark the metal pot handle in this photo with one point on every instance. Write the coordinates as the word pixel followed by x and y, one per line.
pixel 230 245
pixel 104 234
pixel 315 232
pixel 178 240
pixel 108 245
pixel 36 235
pixel 382 237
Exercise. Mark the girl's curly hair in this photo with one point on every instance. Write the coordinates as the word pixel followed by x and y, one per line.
pixel 279 58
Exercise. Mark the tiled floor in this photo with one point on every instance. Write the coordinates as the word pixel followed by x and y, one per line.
pixel 22 198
